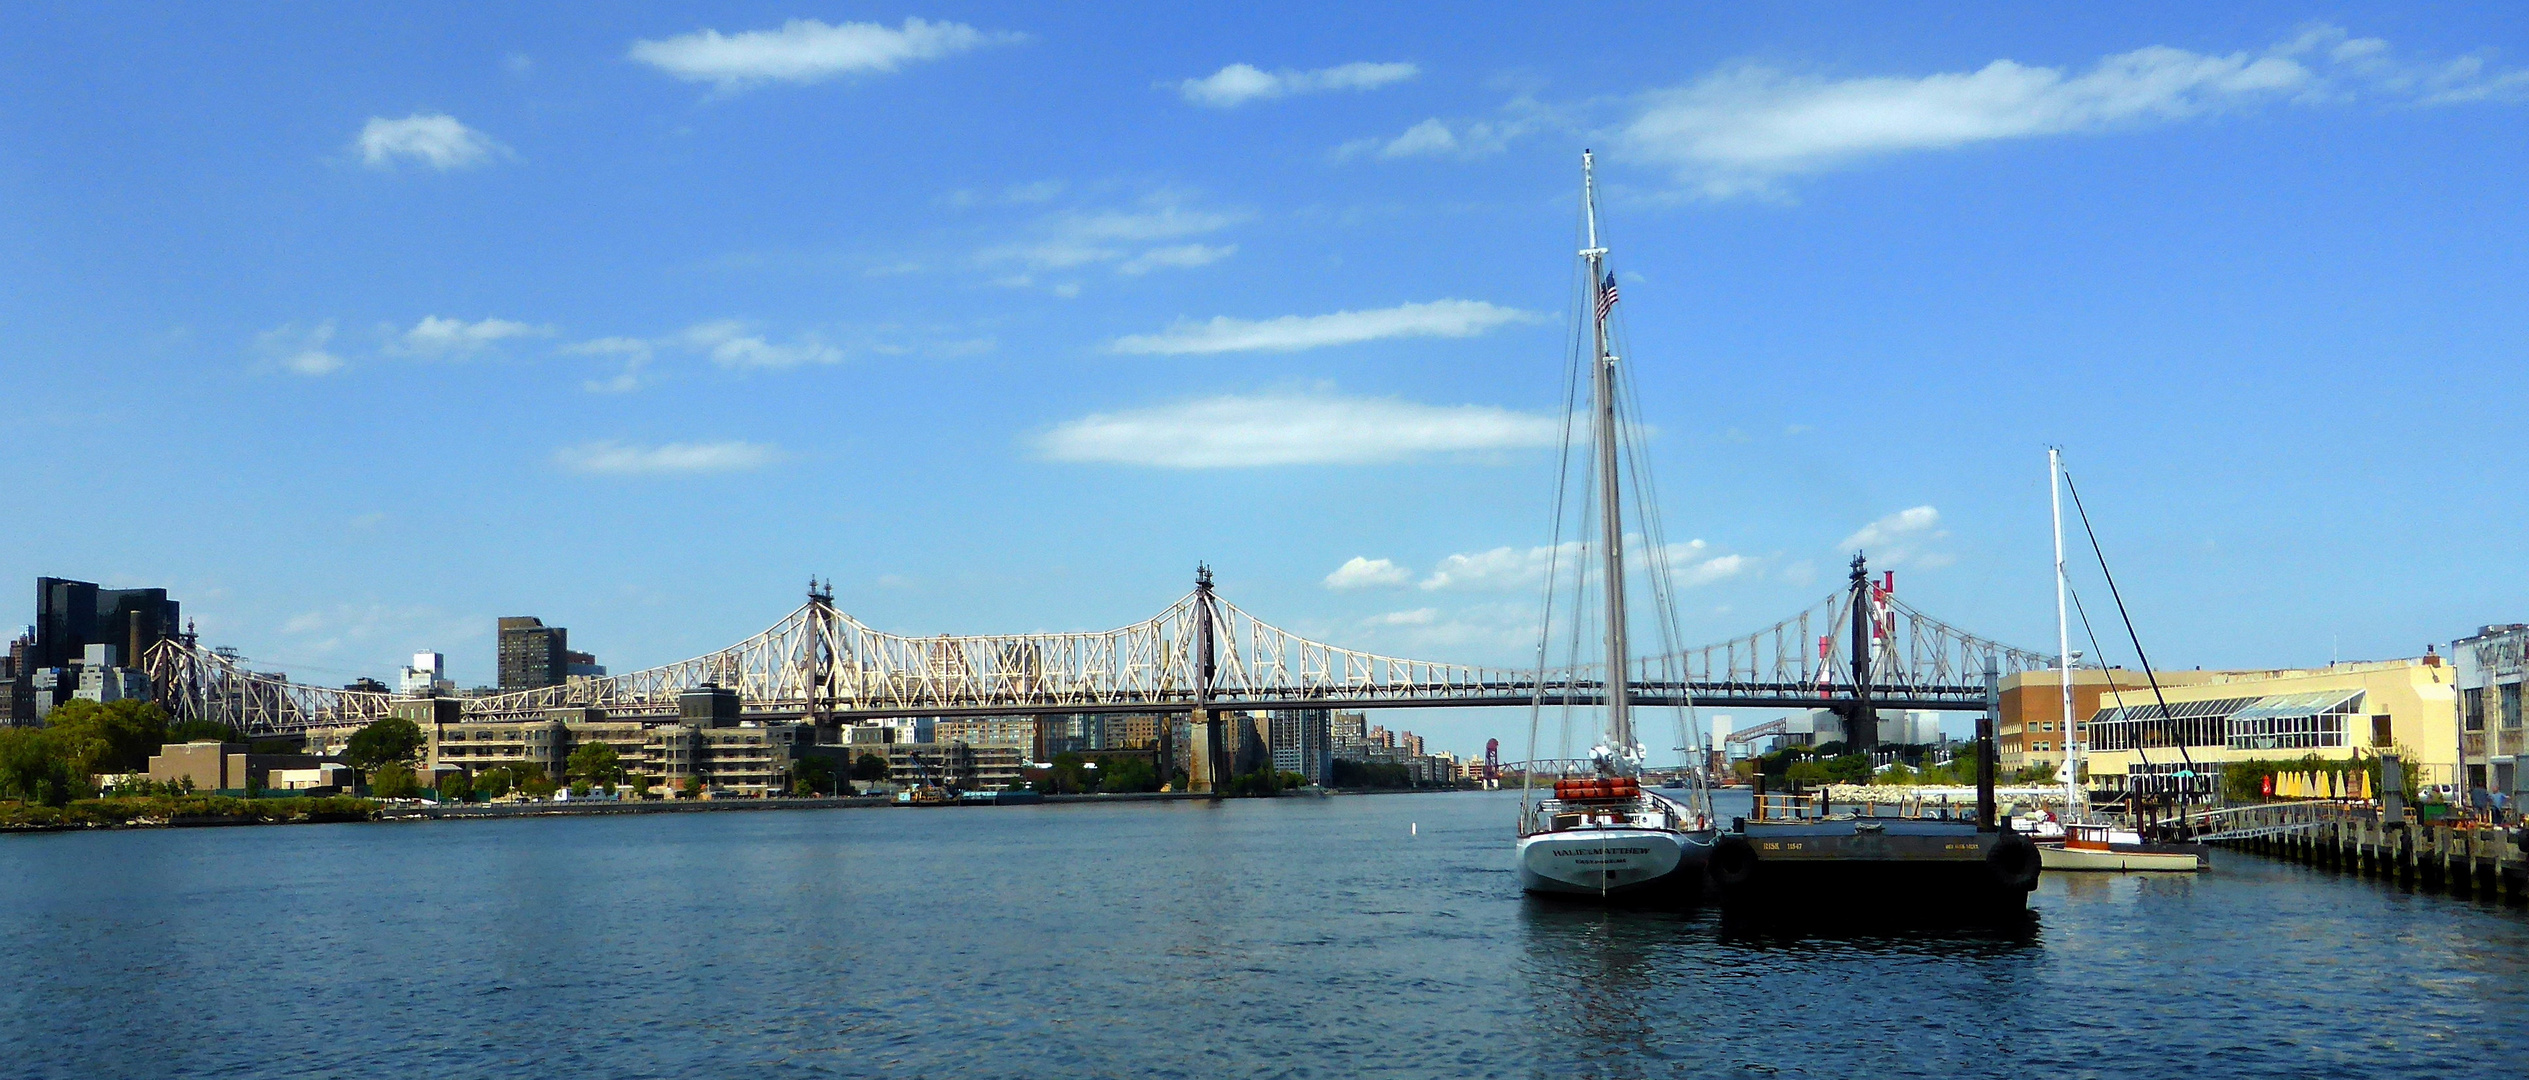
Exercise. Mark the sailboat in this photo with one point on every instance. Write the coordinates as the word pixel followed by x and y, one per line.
pixel 1602 833
pixel 2085 843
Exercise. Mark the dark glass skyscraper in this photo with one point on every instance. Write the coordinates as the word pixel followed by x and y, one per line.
pixel 72 615
pixel 533 655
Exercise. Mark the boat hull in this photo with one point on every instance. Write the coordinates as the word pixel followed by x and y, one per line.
pixel 2093 860
pixel 1859 870
pixel 1615 863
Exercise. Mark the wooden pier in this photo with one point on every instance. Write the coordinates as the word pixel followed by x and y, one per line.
pixel 2461 859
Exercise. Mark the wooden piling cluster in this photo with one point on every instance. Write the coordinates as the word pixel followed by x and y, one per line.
pixel 2486 863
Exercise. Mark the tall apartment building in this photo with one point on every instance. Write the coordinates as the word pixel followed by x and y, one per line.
pixel 533 655
pixel 1018 731
pixel 1351 729
pixel 1303 743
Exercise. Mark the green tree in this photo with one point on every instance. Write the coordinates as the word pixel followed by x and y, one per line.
pixel 1804 773
pixel 812 775
pixel 870 768
pixel 114 737
pixel 393 739
pixel 394 780
pixel 693 787
pixel 594 763
pixel 203 731
pixel 36 766
pixel 1127 774
pixel 491 783
pixel 1377 775
pixel 535 783
pixel 454 787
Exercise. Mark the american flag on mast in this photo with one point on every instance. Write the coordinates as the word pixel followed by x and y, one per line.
pixel 1606 296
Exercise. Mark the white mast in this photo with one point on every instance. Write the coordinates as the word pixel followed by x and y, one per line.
pixel 1602 387
pixel 2075 806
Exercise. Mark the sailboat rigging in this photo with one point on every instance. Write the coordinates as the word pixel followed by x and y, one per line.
pixel 1602 833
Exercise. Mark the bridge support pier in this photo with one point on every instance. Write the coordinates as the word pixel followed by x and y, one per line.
pixel 1202 765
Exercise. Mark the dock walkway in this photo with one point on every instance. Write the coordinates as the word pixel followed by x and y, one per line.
pixel 2464 859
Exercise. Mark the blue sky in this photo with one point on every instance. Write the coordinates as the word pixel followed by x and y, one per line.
pixel 361 327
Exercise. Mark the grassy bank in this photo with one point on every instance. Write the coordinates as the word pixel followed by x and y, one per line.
pixel 160 811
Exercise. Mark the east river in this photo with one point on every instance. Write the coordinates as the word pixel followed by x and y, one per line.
pixel 1352 936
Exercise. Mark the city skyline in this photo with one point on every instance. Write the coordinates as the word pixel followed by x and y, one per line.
pixel 357 334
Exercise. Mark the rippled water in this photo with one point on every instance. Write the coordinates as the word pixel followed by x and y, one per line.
pixel 1309 938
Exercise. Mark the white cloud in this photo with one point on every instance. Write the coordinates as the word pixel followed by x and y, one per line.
pixel 1465 139
pixel 608 458
pixel 633 352
pixel 434 139
pixel 1291 333
pixel 455 339
pixel 1182 255
pixel 1416 617
pixel 1293 429
pixel 1742 129
pixel 1133 237
pixel 300 350
pixel 1239 84
pixel 807 51
pixel 1501 568
pixel 1690 564
pixel 730 345
pixel 1362 573
pixel 1907 537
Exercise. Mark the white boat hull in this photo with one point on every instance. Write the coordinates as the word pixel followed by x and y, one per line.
pixel 2054 857
pixel 1611 861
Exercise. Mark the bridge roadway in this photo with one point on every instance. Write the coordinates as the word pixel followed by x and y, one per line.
pixel 1935 699
pixel 1201 652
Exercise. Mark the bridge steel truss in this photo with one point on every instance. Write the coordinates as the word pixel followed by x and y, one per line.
pixel 820 664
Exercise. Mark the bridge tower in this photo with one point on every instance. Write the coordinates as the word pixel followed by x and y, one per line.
pixel 1205 764
pixel 817 659
pixel 1861 725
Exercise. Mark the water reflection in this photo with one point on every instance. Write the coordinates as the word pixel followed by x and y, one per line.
pixel 1593 973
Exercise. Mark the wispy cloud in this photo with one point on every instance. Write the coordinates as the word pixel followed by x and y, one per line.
pixel 1462 138
pixel 808 51
pixel 439 338
pixel 633 353
pixel 609 458
pixel 299 350
pixel 731 344
pixel 1744 128
pixel 1364 573
pixel 1907 537
pixel 1689 564
pixel 433 139
pixel 1239 84
pixel 369 633
pixel 1181 255
pixel 1134 240
pixel 1293 429
pixel 1291 333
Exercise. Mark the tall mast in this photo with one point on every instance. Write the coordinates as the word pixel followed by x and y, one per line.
pixel 1602 390
pixel 2063 639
